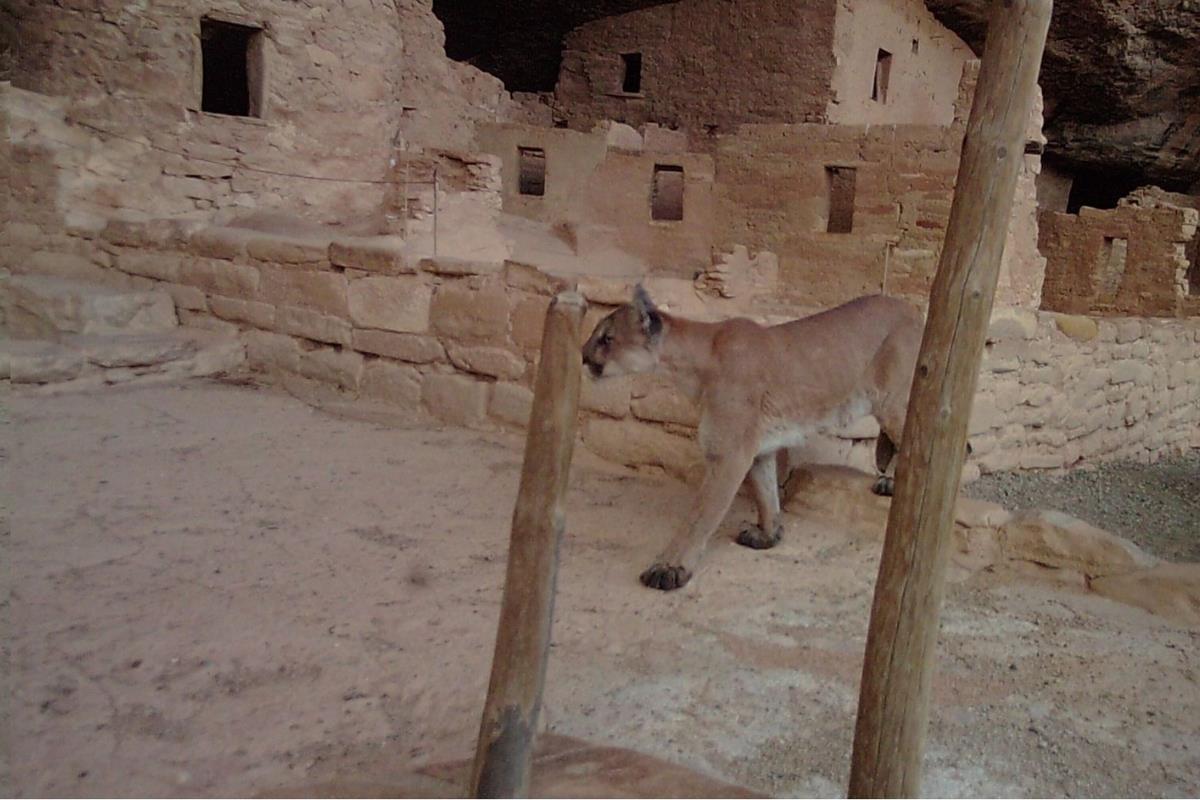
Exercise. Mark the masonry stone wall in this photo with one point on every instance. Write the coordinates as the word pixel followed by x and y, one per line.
pixel 924 60
pixel 460 340
pixel 598 193
pixel 1129 260
pixel 706 64
pixel 346 84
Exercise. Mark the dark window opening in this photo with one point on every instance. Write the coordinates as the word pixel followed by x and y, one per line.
pixel 632 80
pixel 532 166
pixel 232 68
pixel 1193 271
pixel 883 73
pixel 666 194
pixel 1112 266
pixel 1100 188
pixel 916 46
pixel 841 184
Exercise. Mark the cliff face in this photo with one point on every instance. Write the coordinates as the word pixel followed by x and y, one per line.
pixel 1121 79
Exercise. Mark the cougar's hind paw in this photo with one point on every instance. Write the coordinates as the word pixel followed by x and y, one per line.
pixel 666 577
pixel 884 486
pixel 754 537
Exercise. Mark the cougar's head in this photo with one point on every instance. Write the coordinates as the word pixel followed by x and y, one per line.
pixel 627 340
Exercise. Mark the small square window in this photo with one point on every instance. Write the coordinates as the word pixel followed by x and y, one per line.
pixel 666 194
pixel 232 68
pixel 883 74
pixel 631 81
pixel 532 166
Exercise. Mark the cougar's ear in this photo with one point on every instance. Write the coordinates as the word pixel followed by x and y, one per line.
pixel 648 314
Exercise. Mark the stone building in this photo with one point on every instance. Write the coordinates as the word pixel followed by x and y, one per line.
pixel 317 182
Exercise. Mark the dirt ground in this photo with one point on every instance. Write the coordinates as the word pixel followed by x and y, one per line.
pixel 1157 506
pixel 218 590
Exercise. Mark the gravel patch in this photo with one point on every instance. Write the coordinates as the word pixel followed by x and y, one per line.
pixel 1157 506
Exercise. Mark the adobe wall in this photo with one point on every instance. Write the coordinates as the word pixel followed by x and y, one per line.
pixel 1129 261
pixel 926 61
pixel 599 185
pixel 705 63
pixel 344 81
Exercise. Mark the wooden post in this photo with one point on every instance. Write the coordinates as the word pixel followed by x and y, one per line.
pixel 894 697
pixel 514 698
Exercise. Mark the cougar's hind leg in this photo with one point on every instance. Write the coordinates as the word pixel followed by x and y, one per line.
pixel 887 447
pixel 885 465
pixel 764 480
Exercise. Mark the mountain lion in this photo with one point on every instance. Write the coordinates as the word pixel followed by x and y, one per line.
pixel 763 388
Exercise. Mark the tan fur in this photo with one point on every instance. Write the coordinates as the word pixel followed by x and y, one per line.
pixel 760 389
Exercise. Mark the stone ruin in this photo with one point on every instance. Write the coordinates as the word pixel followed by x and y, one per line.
pixel 318 184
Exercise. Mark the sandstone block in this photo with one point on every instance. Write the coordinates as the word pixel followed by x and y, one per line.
pixel 1059 540
pixel 605 291
pixel 390 303
pixel 611 397
pixel 458 267
pixel 159 233
pixel 411 347
pixel 531 279
pixel 185 297
pixel 1170 590
pixel 215 276
pixel 1128 330
pixel 260 315
pixel 392 383
pixel 528 319
pixel 382 254
pixel 456 399
pixel 984 416
pixel 1012 323
pixel 271 351
pixel 470 314
pixel 658 401
pixel 636 443
pixel 342 368
pixel 149 264
pixel 511 403
pixel 320 291
pixel 287 249
pixel 314 325
pixel 494 362
pixel 225 243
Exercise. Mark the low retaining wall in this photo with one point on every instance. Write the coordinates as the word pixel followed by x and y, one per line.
pixel 460 338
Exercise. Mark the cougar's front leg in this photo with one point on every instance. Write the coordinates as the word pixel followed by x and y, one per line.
pixel 723 475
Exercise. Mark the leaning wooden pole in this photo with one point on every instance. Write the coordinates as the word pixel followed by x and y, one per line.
pixel 894 697
pixel 514 698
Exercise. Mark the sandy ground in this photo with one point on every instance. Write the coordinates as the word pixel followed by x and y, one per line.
pixel 217 590
pixel 1157 506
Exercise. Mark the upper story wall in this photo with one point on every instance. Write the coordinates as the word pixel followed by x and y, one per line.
pixel 894 64
pixel 703 63
pixel 599 189
pixel 1129 261
pixel 337 87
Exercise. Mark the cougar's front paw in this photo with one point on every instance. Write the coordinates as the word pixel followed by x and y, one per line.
pixel 754 537
pixel 666 577
pixel 884 486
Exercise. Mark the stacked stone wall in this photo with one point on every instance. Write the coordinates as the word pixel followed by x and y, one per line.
pixel 1130 260
pixel 706 64
pixel 460 339
pixel 348 85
